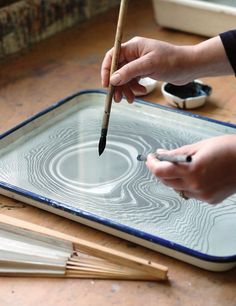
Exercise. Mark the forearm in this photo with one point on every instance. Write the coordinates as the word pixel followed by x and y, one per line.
pixel 205 59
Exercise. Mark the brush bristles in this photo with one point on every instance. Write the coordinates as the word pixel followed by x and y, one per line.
pixel 102 141
pixel 102 145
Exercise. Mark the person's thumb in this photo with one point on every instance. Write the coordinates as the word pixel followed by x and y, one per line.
pixel 183 150
pixel 137 68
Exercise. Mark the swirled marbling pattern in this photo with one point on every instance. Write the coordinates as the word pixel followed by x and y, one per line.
pixel 59 160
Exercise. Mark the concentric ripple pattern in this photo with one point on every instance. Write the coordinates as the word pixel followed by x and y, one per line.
pixel 59 160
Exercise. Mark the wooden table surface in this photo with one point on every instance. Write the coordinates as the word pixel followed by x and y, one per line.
pixel 52 70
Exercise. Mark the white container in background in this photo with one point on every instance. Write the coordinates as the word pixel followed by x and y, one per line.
pixel 208 18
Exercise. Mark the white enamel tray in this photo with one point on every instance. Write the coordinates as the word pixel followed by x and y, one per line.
pixel 51 161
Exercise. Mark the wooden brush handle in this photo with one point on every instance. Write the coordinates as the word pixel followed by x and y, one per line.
pixel 115 60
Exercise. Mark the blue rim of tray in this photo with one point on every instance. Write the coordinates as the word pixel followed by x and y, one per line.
pixel 104 221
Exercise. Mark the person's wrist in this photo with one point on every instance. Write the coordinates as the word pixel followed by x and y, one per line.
pixel 185 62
pixel 210 58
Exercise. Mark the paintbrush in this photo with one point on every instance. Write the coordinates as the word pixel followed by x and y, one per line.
pixel 114 66
pixel 172 159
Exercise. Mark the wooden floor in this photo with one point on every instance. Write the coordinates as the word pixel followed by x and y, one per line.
pixel 54 69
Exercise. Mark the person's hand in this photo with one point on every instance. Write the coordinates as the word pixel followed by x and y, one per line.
pixel 210 177
pixel 143 57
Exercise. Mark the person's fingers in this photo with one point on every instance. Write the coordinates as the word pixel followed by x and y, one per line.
pixel 183 150
pixel 128 93
pixel 118 94
pixel 105 68
pixel 137 68
pixel 137 88
pixel 165 169
pixel 177 184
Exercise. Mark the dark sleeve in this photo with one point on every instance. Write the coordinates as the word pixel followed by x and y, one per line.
pixel 229 41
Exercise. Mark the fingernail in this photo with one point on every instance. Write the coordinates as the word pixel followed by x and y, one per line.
pixel 115 79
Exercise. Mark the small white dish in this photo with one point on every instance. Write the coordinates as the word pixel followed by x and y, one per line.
pixel 149 84
pixel 189 96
